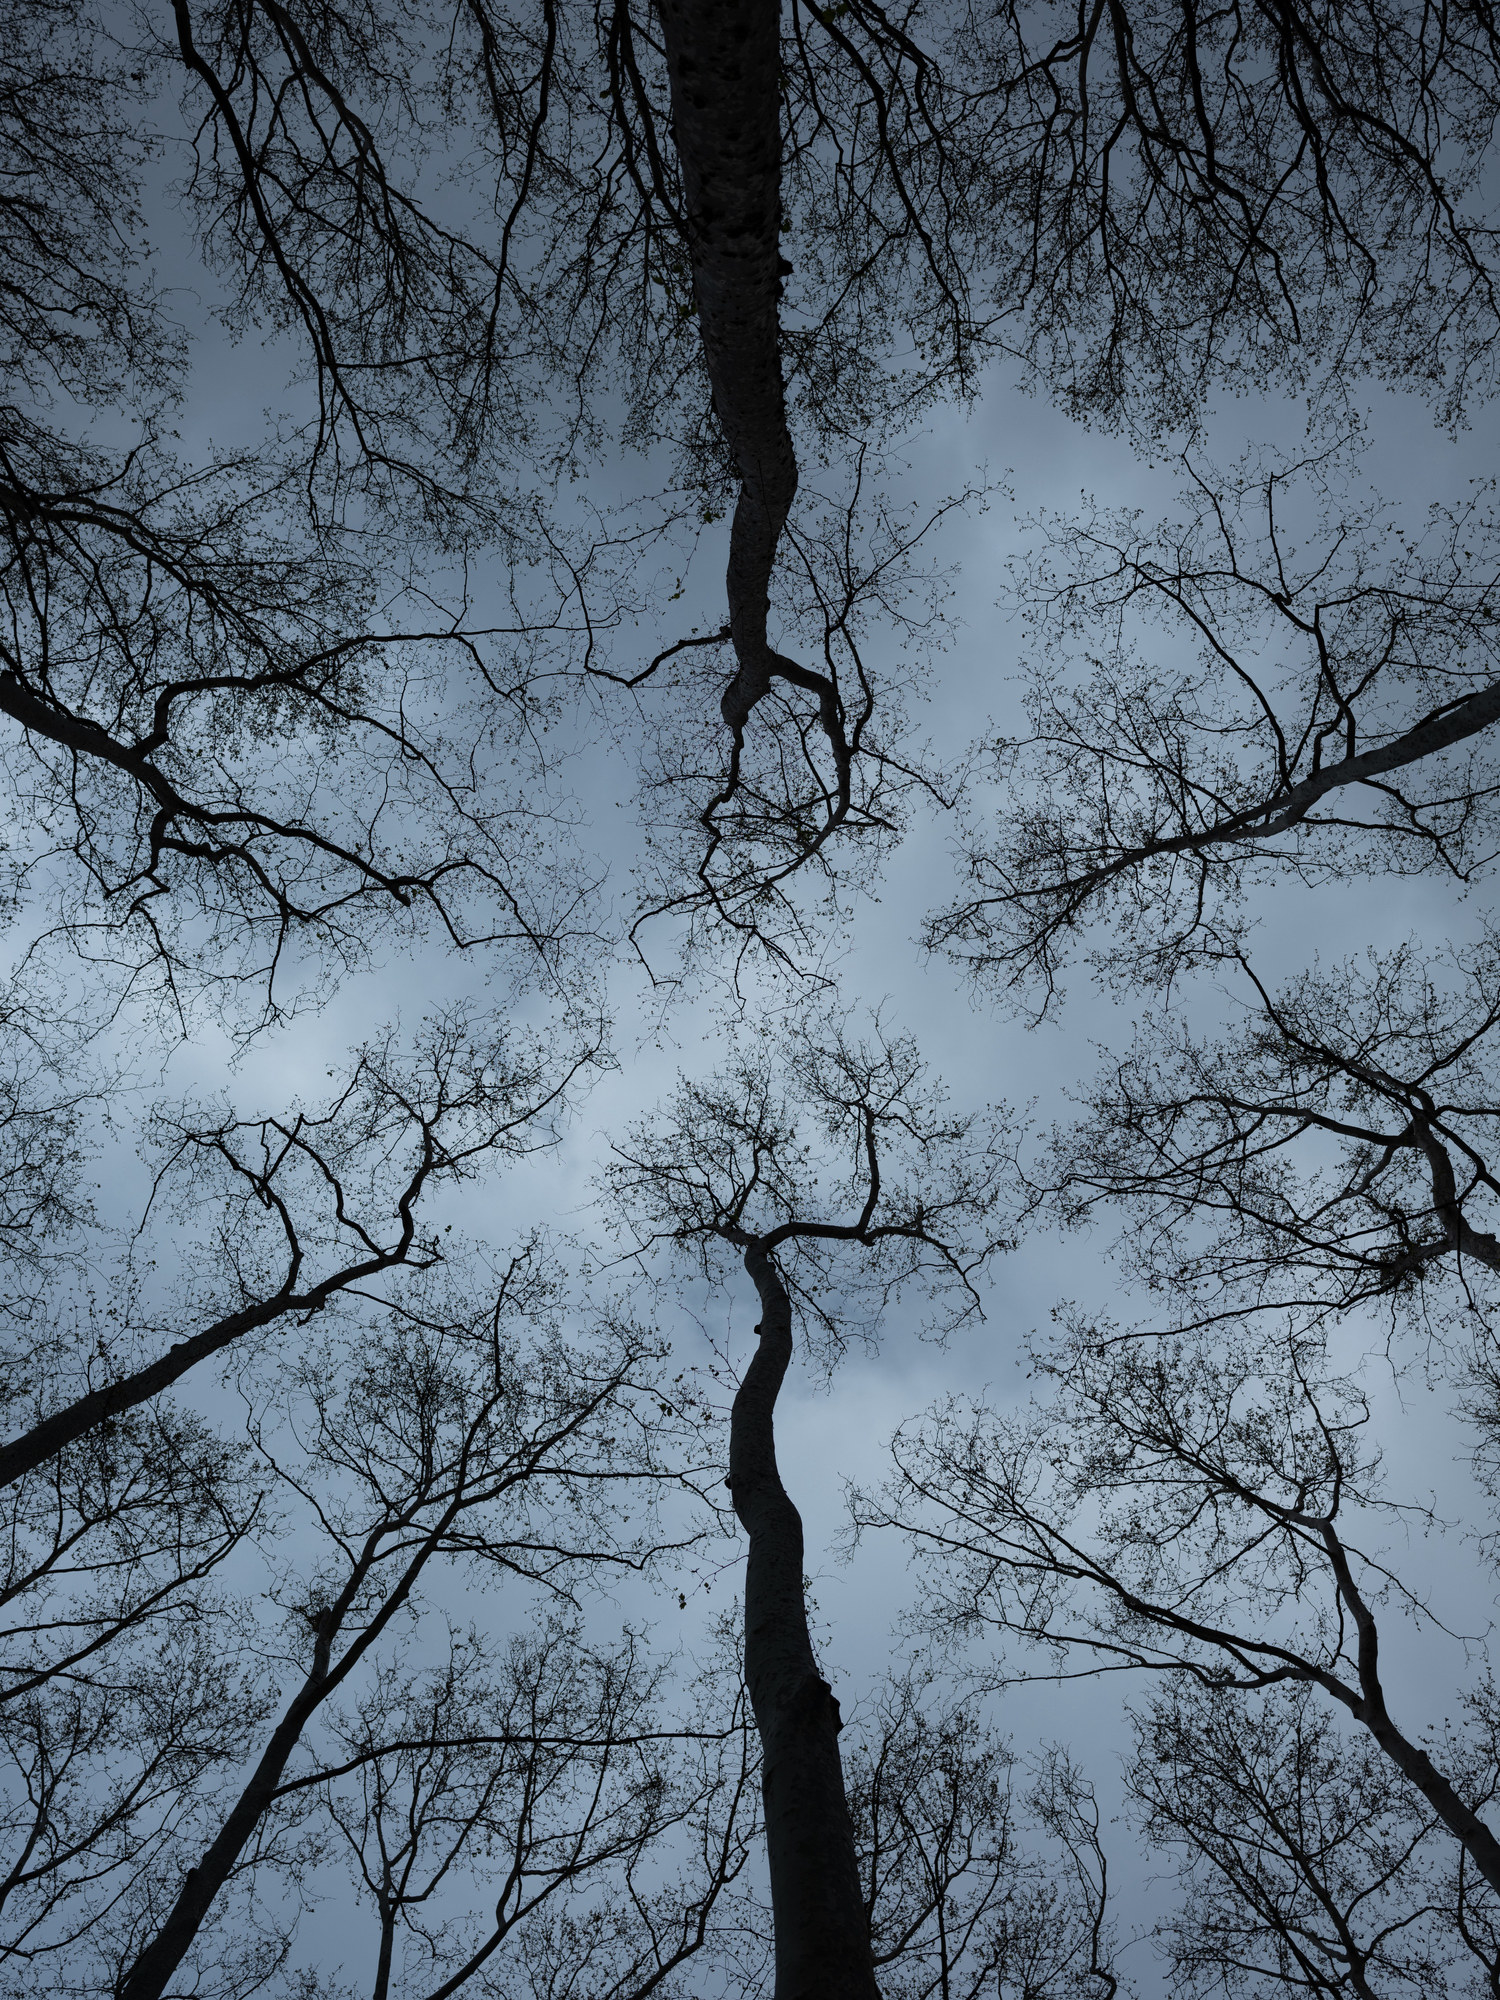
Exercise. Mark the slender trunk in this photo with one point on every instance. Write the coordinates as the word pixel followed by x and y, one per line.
pixel 724 63
pixel 148 1977
pixel 66 1426
pixel 1409 1758
pixel 55 1433
pixel 382 1985
pixel 1414 1764
pixel 822 1934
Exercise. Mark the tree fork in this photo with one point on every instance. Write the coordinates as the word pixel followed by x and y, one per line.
pixel 822 1932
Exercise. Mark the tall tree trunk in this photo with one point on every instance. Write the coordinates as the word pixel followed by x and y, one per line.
pixel 724 63
pixel 822 1932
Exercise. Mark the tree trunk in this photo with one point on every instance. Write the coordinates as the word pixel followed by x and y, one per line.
pixel 55 1433
pixel 66 1426
pixel 150 1975
pixel 822 1932
pixel 724 63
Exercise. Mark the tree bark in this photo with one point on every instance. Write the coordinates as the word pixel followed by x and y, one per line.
pixel 822 1931
pixel 724 64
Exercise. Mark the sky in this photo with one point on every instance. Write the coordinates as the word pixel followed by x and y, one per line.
pixel 834 1433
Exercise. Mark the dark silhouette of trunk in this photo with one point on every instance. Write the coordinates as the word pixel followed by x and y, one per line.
pixel 388 1907
pixel 1369 1707
pixel 55 1433
pixel 724 62
pixel 148 1978
pixel 822 1932
pixel 66 1426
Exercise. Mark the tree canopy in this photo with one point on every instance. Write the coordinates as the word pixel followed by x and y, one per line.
pixel 459 539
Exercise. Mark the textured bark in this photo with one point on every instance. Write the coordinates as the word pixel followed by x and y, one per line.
pixel 822 1933
pixel 723 59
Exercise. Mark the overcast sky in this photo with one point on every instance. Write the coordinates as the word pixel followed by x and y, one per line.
pixel 830 1434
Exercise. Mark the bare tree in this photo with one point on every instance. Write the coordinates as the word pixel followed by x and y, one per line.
pixel 743 214
pixel 950 190
pixel 1307 1865
pixel 546 1783
pixel 104 1777
pixel 963 183
pixel 947 189
pixel 1212 1512
pixel 130 1520
pixel 913 1197
pixel 255 717
pixel 619 1848
pixel 1290 679
pixel 971 180
pixel 162 626
pixel 931 1800
pixel 430 1435
pixel 965 1884
pixel 306 1206
pixel 128 1516
pixel 1335 1153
